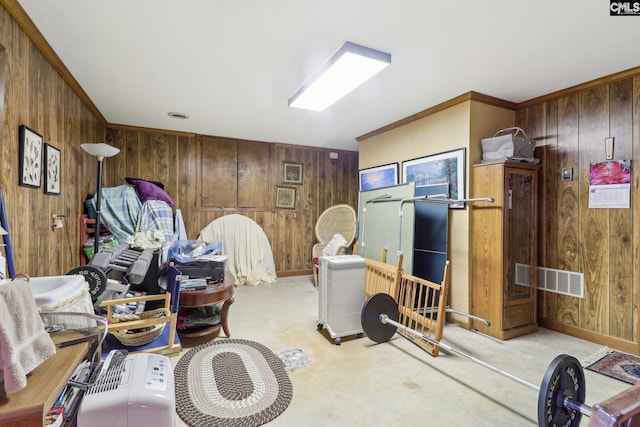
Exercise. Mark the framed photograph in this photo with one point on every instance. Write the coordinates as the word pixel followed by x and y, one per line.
pixel 378 177
pixel 291 173
pixel 444 168
pixel 52 173
pixel 285 197
pixel 31 145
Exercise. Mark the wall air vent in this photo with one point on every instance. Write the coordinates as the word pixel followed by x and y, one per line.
pixel 549 279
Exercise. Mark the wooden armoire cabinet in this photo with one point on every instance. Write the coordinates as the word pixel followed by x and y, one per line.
pixel 503 248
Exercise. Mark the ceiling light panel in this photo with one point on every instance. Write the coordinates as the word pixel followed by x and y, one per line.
pixel 348 68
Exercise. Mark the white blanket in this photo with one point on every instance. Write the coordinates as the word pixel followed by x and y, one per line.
pixel 24 343
pixel 249 255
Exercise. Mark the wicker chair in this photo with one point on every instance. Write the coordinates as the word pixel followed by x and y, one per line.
pixel 338 219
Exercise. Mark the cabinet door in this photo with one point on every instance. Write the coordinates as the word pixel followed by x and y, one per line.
pixel 234 174
pixel 520 227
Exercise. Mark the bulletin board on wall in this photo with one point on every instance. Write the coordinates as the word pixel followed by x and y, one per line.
pixel 379 225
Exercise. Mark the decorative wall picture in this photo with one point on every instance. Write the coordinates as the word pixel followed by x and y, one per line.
pixel 30 157
pixel 378 177
pixel 444 168
pixel 52 173
pixel 291 173
pixel 285 197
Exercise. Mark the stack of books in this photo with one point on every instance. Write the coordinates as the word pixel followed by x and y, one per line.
pixel 193 284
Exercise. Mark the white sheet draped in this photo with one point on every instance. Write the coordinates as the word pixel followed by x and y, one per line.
pixel 249 255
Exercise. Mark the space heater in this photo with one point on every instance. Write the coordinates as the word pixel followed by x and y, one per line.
pixel 137 392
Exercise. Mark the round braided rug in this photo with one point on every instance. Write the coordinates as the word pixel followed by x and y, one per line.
pixel 231 383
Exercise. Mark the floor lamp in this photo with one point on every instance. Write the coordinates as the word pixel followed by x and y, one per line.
pixel 100 150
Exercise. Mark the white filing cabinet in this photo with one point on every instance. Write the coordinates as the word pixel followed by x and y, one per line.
pixel 341 288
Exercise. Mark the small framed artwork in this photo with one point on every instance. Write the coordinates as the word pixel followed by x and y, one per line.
pixel 291 173
pixel 31 145
pixel 285 197
pixel 378 177
pixel 52 172
pixel 443 168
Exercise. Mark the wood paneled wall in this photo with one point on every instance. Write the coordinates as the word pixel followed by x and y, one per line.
pixel 600 243
pixel 34 94
pixel 172 159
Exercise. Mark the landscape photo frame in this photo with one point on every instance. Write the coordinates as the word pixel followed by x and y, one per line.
pixel 378 177
pixel 442 168
pixel 31 147
pixel 53 170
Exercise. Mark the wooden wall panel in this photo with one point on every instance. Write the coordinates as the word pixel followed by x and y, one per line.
pixel 603 244
pixel 548 245
pixel 621 220
pixel 568 210
pixel 291 231
pixel 635 206
pixel 594 223
pixel 35 95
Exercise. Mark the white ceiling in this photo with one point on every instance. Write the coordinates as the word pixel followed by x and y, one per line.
pixel 232 64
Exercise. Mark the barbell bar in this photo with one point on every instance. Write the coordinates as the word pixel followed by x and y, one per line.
pixel 561 394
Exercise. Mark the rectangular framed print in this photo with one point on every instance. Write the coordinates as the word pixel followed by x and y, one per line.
pixel 443 168
pixel 31 145
pixel 379 176
pixel 291 173
pixel 285 197
pixel 53 170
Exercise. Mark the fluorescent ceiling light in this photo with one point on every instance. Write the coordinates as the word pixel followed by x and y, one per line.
pixel 347 69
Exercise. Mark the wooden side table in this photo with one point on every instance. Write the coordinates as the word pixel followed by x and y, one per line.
pixel 214 294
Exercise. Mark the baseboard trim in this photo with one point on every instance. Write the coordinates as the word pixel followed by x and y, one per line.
pixel 290 273
pixel 595 337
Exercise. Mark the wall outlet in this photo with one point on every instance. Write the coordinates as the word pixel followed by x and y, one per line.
pixel 567 174
pixel 57 221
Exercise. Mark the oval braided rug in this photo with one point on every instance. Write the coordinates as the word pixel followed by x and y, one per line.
pixel 231 382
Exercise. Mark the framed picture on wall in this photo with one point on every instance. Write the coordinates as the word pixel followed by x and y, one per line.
pixel 379 176
pixel 443 168
pixel 285 197
pixel 52 172
pixel 31 145
pixel 291 173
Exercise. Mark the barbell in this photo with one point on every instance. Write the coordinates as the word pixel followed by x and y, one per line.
pixel 562 391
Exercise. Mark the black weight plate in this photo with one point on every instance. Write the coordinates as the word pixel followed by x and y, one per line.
pixel 370 317
pixel 564 378
pixel 95 278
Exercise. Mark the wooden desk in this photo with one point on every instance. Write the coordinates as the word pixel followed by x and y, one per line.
pixel 28 407
pixel 214 294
